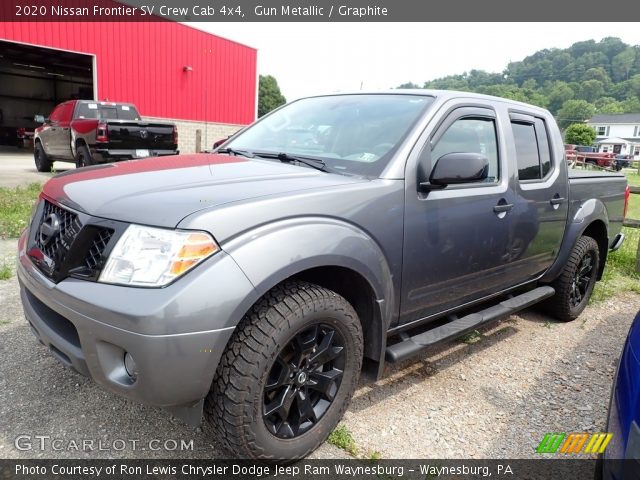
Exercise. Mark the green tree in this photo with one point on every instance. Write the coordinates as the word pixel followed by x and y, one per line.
pixel 622 63
pixel 269 95
pixel 560 93
pixel 608 105
pixel 408 85
pixel 592 90
pixel 580 134
pixel 605 74
pixel 575 111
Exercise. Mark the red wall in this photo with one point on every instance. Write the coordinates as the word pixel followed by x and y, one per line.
pixel 142 63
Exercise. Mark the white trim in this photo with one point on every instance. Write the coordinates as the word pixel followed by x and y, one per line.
pixel 95 78
pixel 47 47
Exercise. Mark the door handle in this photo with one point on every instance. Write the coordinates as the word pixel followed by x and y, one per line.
pixel 556 200
pixel 503 207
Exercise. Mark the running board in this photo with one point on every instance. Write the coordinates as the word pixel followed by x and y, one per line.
pixel 414 345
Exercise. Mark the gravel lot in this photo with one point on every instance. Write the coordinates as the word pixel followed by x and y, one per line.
pixel 494 398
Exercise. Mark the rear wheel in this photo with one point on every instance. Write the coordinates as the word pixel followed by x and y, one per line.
pixel 43 162
pixel 575 284
pixel 83 157
pixel 288 373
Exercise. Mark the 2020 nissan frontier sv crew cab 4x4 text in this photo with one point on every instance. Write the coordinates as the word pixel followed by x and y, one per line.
pixel 335 234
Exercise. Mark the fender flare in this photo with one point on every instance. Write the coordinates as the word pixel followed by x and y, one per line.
pixel 274 252
pixel 591 211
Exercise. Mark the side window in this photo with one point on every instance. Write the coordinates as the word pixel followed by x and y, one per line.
pixel 56 114
pixel 543 147
pixel 65 114
pixel 532 149
pixel 471 135
pixel 87 110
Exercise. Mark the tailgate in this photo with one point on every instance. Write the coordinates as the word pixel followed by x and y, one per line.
pixel 125 135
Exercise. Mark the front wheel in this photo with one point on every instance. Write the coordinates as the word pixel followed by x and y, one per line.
pixel 287 375
pixel 575 284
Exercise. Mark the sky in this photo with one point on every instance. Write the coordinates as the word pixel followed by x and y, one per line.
pixel 314 58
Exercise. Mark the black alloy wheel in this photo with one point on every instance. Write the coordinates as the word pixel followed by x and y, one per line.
pixel 303 381
pixel 581 279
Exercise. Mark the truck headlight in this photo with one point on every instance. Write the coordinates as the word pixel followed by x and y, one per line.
pixel 153 257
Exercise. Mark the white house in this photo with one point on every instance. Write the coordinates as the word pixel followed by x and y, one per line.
pixel 618 133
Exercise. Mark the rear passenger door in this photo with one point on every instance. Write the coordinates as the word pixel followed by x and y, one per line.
pixel 541 202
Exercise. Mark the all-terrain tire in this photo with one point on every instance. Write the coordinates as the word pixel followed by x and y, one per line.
pixel 568 303
pixel 236 404
pixel 83 157
pixel 43 162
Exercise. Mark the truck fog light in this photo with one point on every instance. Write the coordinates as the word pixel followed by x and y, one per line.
pixel 130 366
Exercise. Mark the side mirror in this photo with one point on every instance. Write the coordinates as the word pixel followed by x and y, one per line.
pixel 39 119
pixel 455 168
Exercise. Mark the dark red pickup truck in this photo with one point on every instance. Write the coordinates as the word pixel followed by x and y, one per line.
pixel 587 154
pixel 88 132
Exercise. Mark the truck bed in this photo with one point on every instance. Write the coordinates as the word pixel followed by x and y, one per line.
pixel 608 187
pixel 586 174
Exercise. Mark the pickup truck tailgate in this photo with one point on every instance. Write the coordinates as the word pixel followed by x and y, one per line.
pixel 143 135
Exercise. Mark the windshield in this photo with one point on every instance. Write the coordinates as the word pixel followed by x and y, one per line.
pixel 354 134
pixel 104 111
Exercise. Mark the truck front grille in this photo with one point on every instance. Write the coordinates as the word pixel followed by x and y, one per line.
pixel 64 243
pixel 56 232
pixel 93 260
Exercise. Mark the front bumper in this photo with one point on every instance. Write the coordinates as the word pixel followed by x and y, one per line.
pixel 176 335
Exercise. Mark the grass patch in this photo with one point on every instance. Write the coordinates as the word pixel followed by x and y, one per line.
pixel 341 437
pixel 4 322
pixel 633 212
pixel 374 455
pixel 633 178
pixel 471 337
pixel 5 271
pixel 15 208
pixel 620 273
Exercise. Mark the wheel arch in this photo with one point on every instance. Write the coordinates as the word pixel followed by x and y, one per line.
pixel 590 219
pixel 598 231
pixel 78 142
pixel 332 254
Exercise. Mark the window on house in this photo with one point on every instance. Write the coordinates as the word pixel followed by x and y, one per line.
pixel 602 131
pixel 605 149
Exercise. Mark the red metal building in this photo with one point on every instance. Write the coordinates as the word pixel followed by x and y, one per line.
pixel 169 70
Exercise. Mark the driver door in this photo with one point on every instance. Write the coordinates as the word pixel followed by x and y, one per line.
pixel 456 239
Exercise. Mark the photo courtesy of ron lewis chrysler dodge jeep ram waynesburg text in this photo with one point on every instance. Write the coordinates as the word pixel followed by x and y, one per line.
pixel 254 285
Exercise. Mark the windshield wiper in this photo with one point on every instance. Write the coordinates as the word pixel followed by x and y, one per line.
pixel 232 151
pixel 312 162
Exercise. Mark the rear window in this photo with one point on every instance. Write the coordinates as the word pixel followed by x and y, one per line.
pixel 106 111
pixel 532 149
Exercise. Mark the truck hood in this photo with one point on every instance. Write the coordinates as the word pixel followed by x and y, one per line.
pixel 161 191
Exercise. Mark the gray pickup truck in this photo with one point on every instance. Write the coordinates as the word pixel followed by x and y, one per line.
pixel 254 285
